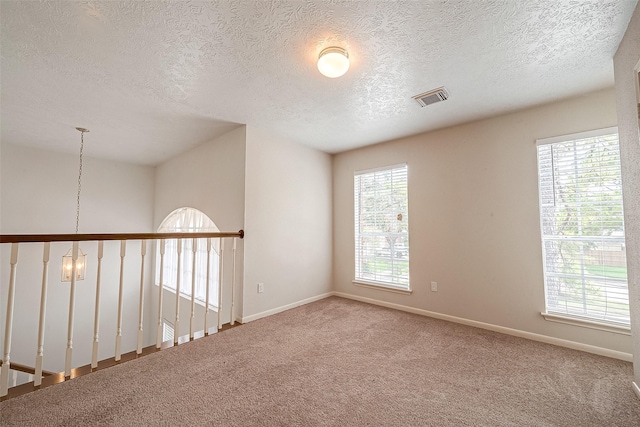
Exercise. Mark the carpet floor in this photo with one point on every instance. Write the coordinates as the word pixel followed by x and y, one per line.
pixel 338 362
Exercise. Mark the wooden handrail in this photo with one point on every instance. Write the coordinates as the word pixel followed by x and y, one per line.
pixel 24 238
pixel 16 239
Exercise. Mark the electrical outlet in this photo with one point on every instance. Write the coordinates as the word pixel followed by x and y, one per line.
pixel 260 288
pixel 434 286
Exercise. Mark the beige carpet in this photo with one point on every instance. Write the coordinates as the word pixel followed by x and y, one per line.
pixel 338 362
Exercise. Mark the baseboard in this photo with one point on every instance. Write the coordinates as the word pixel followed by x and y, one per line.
pixel 504 330
pixel 276 310
pixel 636 389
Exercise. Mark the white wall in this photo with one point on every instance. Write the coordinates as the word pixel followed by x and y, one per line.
pixel 288 223
pixel 625 60
pixel 210 178
pixel 38 194
pixel 474 219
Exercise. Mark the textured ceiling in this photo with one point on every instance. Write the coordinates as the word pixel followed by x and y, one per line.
pixel 152 79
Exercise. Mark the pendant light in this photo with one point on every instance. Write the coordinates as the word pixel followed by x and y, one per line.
pixel 67 260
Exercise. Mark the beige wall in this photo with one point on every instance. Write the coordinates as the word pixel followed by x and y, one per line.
pixel 288 223
pixel 39 189
pixel 625 60
pixel 210 178
pixel 473 212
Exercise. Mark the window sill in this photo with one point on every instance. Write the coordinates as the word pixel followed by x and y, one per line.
pixel 383 287
pixel 188 297
pixel 575 321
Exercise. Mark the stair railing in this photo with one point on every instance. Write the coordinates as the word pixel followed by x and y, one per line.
pixel 15 240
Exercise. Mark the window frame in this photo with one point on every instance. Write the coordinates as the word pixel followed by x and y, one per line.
pixel 206 225
pixel 359 280
pixel 552 314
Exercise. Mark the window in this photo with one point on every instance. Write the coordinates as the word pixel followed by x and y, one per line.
pixel 381 227
pixel 186 220
pixel 167 331
pixel 581 216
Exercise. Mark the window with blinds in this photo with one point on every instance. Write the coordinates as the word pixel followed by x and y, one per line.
pixel 167 331
pixel 582 225
pixel 381 227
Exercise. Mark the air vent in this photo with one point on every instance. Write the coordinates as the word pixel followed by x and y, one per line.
pixel 432 96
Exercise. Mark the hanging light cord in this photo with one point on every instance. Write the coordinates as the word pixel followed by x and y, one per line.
pixel 79 180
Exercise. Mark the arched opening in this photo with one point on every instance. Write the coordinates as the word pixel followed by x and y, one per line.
pixel 189 220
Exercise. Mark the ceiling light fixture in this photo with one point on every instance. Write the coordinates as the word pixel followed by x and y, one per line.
pixel 67 260
pixel 333 62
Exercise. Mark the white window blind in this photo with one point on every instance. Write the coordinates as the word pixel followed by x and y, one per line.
pixel 167 331
pixel 582 227
pixel 381 227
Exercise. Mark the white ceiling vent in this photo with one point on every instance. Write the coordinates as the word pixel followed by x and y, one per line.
pixel 432 96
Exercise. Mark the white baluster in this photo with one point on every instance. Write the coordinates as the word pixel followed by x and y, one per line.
pixel 43 305
pixel 233 284
pixel 4 375
pixel 72 298
pixel 193 287
pixel 14 379
pixel 176 327
pixel 96 311
pixel 123 250
pixel 220 277
pixel 206 309
pixel 143 252
pixel 160 292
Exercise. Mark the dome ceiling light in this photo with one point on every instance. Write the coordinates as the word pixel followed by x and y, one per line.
pixel 333 62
